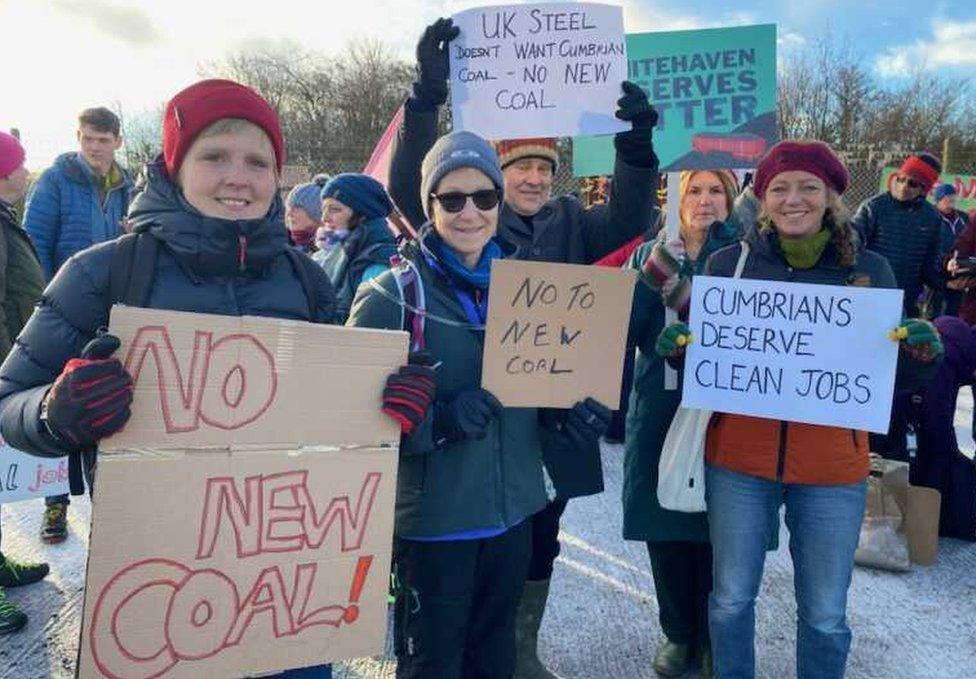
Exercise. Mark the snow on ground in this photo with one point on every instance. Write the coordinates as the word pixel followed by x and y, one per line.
pixel 602 618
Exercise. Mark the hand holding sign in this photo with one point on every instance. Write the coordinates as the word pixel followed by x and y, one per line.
pixel 433 68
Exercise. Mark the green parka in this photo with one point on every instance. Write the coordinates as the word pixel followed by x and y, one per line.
pixel 652 409
pixel 21 278
pixel 471 484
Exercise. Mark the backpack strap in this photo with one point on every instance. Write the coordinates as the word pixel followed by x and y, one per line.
pixel 743 256
pixel 302 264
pixel 414 303
pixel 133 269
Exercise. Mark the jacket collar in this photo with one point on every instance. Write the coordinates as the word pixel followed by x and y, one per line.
pixel 205 245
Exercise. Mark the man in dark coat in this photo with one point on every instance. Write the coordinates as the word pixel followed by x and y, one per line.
pixel 544 229
pixel 21 282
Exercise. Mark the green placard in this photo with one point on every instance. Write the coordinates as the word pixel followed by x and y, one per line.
pixel 715 92
pixel 965 187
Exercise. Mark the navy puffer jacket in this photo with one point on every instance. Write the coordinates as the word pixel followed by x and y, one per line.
pixel 205 265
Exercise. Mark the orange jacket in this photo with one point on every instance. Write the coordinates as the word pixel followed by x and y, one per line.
pixel 791 452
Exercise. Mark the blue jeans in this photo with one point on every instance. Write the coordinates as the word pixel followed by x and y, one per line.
pixel 824 524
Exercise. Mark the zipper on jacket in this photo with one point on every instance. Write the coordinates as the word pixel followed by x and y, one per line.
pixel 781 460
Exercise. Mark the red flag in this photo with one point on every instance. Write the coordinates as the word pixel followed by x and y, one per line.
pixel 378 167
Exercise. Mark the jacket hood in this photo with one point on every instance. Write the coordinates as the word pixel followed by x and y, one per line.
pixel 767 242
pixel 428 238
pixel 960 346
pixel 73 166
pixel 206 246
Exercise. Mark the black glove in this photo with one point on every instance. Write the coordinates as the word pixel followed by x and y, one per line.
pixel 433 65
pixel 586 422
pixel 410 391
pixel 466 417
pixel 90 398
pixel 636 145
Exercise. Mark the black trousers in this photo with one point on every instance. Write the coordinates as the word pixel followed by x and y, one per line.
pixel 683 580
pixel 456 604
pixel 545 539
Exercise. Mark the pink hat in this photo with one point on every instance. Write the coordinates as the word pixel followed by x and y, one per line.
pixel 12 154
pixel 814 157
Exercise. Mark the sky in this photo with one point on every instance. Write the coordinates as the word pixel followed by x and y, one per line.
pixel 61 56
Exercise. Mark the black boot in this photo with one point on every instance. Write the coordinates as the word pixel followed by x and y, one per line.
pixel 672 660
pixel 12 619
pixel 531 608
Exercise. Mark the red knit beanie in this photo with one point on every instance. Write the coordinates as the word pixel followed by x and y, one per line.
pixel 512 150
pixel 923 168
pixel 814 157
pixel 11 154
pixel 200 105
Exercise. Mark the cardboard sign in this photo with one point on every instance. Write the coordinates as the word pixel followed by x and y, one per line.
pixel 790 351
pixel 230 565
pixel 965 185
pixel 556 333
pixel 205 380
pixel 242 523
pixel 542 70
pixel 715 94
pixel 25 477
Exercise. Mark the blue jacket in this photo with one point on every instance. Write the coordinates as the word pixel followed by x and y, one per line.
pixel 198 269
pixel 64 214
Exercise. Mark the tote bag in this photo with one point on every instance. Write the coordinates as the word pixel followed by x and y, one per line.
pixel 681 469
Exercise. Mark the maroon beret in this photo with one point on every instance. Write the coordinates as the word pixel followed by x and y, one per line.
pixel 200 105
pixel 814 157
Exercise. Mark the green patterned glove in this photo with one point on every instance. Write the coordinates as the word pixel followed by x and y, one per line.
pixel 920 340
pixel 673 339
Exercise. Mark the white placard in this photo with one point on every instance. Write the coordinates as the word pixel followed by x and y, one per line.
pixel 25 477
pixel 545 70
pixel 793 351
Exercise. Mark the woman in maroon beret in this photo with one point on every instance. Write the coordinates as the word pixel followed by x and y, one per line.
pixel 756 465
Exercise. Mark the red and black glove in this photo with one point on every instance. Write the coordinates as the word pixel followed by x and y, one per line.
pixel 90 398
pixel 410 391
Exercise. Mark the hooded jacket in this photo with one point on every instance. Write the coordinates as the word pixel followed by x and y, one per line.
pixel 66 214
pixel 204 265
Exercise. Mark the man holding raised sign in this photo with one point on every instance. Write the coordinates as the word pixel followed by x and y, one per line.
pixel 546 229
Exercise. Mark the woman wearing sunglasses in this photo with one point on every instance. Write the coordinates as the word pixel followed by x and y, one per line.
pixel 354 210
pixel 470 470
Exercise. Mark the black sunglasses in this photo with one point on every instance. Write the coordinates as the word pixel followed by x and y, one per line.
pixel 912 184
pixel 454 201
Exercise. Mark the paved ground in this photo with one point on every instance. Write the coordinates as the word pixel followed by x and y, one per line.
pixel 602 621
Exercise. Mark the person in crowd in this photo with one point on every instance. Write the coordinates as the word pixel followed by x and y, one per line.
pixel 21 282
pixel 755 465
pixel 470 475
pixel 354 209
pixel 946 301
pixel 303 213
pixel 543 228
pixel 79 201
pixel 212 219
pixel 677 542
pixel 905 229
pixel 962 276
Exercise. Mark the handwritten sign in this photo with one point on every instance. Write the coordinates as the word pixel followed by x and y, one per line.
pixel 202 379
pixel 965 185
pixel 804 353
pixel 238 565
pixel 556 333
pixel 264 539
pixel 542 70
pixel 715 94
pixel 25 477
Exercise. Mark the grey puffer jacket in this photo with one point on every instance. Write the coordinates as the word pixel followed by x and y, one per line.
pixel 204 265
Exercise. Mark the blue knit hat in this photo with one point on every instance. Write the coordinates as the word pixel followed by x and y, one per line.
pixel 360 193
pixel 454 151
pixel 943 190
pixel 306 196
